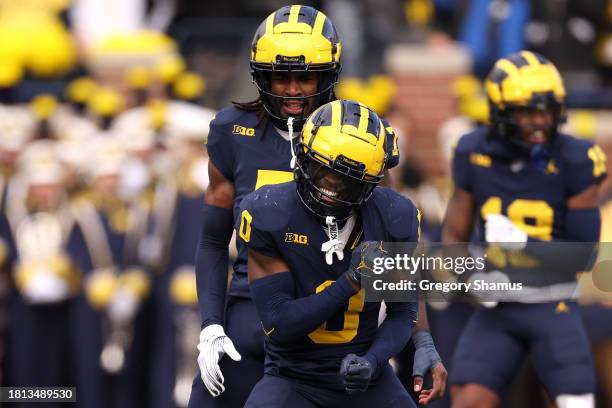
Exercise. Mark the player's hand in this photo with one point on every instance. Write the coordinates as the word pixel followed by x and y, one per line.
pixel 427 359
pixel 214 344
pixel 356 373
pixel 362 260
pixel 500 230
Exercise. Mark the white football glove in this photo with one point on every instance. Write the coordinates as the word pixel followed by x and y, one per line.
pixel 488 299
pixel 500 230
pixel 214 344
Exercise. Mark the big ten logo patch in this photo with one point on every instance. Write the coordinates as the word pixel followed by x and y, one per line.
pixel 296 238
pixel 244 131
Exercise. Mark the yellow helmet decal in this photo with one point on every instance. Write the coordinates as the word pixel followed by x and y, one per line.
pixel 516 79
pixel 293 32
pixel 348 129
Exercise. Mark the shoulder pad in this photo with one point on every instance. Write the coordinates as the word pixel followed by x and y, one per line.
pixel 574 150
pixel 471 141
pixel 397 212
pixel 584 162
pixel 270 206
pixel 230 121
pixel 232 115
pixel 221 143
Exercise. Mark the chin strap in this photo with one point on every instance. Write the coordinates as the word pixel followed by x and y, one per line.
pixel 290 128
pixel 334 245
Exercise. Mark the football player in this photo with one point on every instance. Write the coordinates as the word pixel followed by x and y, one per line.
pixel 323 343
pixel 520 179
pixel 295 63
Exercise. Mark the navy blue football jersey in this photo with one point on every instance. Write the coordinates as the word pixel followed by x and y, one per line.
pixel 250 157
pixel 534 199
pixel 275 223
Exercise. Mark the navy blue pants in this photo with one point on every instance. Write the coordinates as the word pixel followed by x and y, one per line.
pixel 493 346
pixel 243 326
pixel 280 392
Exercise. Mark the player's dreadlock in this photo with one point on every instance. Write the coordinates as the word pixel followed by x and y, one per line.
pixel 255 106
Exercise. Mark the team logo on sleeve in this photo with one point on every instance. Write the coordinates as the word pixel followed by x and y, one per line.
pixel 481 160
pixel 296 238
pixel 244 131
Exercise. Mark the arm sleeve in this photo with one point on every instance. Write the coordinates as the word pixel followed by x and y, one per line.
pixel 576 251
pixel 583 225
pixel 393 334
pixel 212 259
pixel 286 319
pixel 396 330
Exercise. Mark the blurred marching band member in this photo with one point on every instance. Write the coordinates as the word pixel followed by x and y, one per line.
pixel 51 256
pixel 111 359
pixel 177 323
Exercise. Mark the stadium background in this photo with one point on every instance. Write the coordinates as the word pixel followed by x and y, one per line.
pixel 417 62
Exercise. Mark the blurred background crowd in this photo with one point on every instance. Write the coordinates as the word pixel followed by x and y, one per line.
pixel 104 112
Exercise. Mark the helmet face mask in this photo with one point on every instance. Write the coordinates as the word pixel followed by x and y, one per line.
pixel 508 125
pixel 534 126
pixel 294 40
pixel 272 102
pixel 327 192
pixel 340 159
pixel 527 101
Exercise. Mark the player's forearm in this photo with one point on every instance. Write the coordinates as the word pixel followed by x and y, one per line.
pixel 393 334
pixel 211 263
pixel 582 225
pixel 422 323
pixel 286 319
pixel 583 228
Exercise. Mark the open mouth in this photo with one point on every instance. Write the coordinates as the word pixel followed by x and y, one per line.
pixel 292 108
pixel 327 196
pixel 537 137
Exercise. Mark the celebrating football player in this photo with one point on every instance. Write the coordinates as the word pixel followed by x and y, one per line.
pixel 308 243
